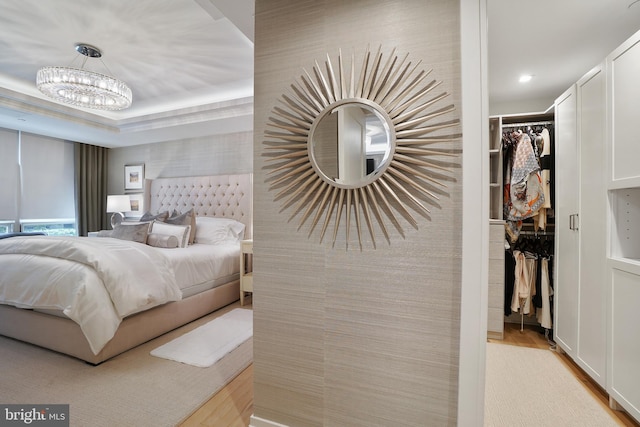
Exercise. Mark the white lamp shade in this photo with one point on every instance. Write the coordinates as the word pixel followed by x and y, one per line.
pixel 118 203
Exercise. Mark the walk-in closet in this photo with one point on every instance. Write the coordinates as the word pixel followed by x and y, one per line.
pixel 522 221
pixel 571 262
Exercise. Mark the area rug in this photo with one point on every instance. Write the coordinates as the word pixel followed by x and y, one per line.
pixel 532 387
pixel 209 343
pixel 132 389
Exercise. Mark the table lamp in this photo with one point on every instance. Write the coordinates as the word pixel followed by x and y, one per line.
pixel 116 205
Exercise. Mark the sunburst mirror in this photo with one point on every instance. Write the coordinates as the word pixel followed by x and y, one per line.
pixel 361 144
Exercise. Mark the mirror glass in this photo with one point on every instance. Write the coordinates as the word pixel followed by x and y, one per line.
pixel 351 144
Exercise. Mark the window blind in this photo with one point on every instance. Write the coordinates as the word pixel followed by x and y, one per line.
pixel 47 178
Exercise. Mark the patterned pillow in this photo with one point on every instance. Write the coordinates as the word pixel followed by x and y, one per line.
pixel 148 216
pixel 187 218
pixel 136 232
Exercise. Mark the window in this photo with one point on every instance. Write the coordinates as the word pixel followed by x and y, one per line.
pixel 51 228
pixel 38 188
pixel 6 227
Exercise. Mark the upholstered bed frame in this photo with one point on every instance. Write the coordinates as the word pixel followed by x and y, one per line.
pixel 228 196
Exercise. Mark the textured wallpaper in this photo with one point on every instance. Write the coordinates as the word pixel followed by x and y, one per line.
pixel 345 336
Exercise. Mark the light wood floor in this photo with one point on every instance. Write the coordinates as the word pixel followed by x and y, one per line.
pixel 532 337
pixel 233 405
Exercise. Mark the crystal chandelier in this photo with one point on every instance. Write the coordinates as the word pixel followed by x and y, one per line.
pixel 84 88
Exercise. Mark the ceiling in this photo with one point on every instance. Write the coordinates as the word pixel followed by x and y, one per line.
pixel 556 41
pixel 190 62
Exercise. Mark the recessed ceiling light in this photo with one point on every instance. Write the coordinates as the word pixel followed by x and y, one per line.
pixel 525 78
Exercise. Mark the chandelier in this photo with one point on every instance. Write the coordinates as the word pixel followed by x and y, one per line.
pixel 84 88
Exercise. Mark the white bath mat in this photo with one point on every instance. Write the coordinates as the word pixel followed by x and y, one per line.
pixel 209 343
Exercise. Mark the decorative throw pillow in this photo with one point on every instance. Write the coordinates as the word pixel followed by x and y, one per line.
pixel 187 218
pixel 162 240
pixel 105 233
pixel 136 232
pixel 148 216
pixel 181 232
pixel 213 231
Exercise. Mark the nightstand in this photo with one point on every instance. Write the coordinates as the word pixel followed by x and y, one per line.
pixel 246 275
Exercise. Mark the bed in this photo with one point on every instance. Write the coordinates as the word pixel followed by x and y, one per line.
pixel 192 293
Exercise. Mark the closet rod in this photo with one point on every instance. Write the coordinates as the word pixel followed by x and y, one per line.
pixel 514 125
pixel 536 233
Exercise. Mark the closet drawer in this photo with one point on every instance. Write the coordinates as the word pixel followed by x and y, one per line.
pixel 496 231
pixel 496 271
pixel 496 251
pixel 495 323
pixel 496 295
pixel 496 241
pixel 495 304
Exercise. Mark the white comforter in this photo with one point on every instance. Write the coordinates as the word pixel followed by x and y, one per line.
pixel 95 282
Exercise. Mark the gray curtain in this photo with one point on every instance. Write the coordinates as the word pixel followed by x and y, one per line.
pixel 91 187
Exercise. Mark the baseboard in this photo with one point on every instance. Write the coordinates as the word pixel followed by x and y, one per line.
pixel 261 422
pixel 495 335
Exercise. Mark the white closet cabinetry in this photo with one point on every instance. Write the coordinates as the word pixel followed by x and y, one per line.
pixel 597 266
pixel 592 321
pixel 495 314
pixel 623 349
pixel 580 280
pixel 567 242
pixel 495 169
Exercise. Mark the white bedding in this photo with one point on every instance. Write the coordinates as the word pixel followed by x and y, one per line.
pixel 202 264
pixel 95 281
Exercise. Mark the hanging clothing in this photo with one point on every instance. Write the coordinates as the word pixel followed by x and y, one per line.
pixel 545 166
pixel 509 280
pixel 526 184
pixel 528 278
pixel 543 314
pixel 525 194
pixel 524 286
pixel 540 219
pixel 512 228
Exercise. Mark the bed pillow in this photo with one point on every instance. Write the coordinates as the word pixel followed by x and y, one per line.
pixel 162 240
pixel 148 216
pixel 136 232
pixel 181 232
pixel 187 218
pixel 213 231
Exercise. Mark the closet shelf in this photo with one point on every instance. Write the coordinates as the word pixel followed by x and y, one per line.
pixel 630 265
pixel 624 183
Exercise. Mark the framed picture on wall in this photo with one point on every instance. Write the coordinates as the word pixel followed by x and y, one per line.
pixel 134 177
pixel 137 205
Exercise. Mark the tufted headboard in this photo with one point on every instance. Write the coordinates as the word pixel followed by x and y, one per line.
pixel 222 196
